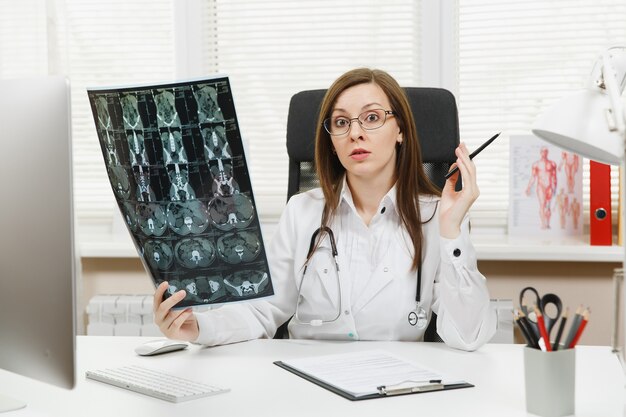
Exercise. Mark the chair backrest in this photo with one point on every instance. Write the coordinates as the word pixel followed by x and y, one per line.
pixel 437 122
pixel 436 118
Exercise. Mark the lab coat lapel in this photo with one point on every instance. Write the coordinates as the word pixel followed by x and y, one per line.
pixel 383 275
pixel 324 269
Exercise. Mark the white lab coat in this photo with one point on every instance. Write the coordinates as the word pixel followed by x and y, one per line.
pixel 378 290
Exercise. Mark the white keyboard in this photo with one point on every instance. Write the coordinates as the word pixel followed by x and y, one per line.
pixel 154 383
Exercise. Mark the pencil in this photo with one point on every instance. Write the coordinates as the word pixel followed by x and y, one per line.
pixel 542 329
pixel 574 327
pixel 473 154
pixel 529 341
pixel 523 320
pixel 579 332
pixel 555 345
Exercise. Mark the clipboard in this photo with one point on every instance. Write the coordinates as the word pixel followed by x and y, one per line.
pixel 381 391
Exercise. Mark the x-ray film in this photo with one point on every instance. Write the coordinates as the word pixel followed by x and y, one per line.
pixel 176 163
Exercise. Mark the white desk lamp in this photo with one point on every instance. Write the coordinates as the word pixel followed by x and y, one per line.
pixel 592 123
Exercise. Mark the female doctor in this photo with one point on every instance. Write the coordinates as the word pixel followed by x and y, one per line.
pixel 370 254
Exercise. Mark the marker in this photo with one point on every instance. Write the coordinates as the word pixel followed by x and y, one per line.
pixel 473 154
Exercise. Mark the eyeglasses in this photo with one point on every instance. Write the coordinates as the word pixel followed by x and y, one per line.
pixel 369 120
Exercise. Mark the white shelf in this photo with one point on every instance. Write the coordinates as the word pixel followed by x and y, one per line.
pixel 504 248
pixel 488 248
pixel 106 246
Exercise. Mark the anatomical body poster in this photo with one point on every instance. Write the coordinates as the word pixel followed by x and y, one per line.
pixel 545 189
pixel 175 160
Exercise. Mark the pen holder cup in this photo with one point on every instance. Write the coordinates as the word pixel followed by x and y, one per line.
pixel 550 381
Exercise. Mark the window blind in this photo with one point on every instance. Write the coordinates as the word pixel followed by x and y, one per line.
pixel 513 60
pixel 23 39
pixel 272 50
pixel 94 44
pixel 116 42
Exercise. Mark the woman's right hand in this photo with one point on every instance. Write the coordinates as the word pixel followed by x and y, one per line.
pixel 174 324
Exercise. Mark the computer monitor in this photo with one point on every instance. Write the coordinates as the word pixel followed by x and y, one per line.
pixel 37 256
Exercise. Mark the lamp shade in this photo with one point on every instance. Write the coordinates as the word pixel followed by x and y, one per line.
pixel 579 123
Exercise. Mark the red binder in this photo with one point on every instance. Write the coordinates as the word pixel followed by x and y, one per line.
pixel 600 227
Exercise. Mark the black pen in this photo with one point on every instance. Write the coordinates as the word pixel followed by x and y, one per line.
pixel 473 154
pixel 555 347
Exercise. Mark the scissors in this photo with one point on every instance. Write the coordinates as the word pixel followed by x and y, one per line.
pixel 542 304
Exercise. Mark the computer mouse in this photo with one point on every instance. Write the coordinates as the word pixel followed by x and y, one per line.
pixel 156 347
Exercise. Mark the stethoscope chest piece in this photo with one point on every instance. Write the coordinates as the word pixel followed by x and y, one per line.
pixel 418 317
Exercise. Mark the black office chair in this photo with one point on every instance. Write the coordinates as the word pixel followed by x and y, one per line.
pixel 437 122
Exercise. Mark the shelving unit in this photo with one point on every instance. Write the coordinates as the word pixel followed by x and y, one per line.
pixel 503 248
pixel 488 248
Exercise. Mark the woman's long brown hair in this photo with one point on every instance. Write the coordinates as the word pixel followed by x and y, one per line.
pixel 411 177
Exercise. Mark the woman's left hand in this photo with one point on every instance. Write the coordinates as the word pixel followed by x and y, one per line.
pixel 456 204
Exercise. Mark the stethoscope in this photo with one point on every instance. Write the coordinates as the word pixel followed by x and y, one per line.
pixel 312 248
pixel 417 317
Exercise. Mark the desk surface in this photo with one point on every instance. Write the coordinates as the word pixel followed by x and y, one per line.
pixel 260 388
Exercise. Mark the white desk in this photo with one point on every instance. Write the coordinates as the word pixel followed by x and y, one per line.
pixel 260 388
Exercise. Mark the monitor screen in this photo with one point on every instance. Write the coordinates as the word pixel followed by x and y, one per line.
pixel 37 256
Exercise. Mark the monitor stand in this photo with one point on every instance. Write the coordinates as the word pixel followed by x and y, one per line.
pixel 10 404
